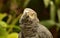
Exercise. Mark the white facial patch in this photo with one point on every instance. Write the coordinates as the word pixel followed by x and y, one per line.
pixel 31 13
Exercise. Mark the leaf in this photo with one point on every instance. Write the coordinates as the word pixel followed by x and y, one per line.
pixel 48 23
pixel 58 14
pixel 26 3
pixel 52 11
pixel 14 29
pixel 3 24
pixel 46 2
pixel 2 15
pixel 3 33
pixel 57 2
pixel 13 35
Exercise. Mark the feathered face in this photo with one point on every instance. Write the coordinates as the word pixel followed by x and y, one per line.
pixel 28 16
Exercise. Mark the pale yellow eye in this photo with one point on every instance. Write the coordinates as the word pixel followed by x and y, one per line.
pixel 32 15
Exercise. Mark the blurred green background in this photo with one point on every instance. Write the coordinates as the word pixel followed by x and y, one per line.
pixel 48 12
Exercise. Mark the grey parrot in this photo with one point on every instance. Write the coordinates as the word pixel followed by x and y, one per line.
pixel 31 27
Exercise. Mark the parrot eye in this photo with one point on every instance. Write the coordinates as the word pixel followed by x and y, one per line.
pixel 32 14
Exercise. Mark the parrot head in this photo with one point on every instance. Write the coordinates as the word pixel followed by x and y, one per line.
pixel 28 17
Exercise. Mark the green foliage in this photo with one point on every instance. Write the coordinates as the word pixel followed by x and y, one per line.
pixel 2 16
pixel 3 24
pixel 9 28
pixel 54 9
pixel 48 23
pixel 46 2
pixel 13 35
pixel 3 32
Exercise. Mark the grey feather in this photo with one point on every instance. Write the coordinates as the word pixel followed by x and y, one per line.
pixel 30 26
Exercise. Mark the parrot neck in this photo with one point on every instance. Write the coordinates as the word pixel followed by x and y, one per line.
pixel 30 30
